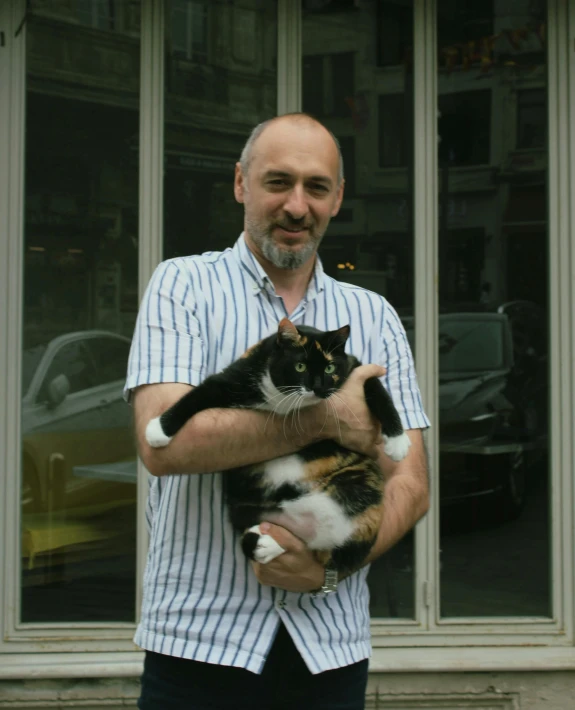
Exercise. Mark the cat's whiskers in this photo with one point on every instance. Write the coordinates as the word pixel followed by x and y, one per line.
pixel 293 396
pixel 332 405
pixel 301 431
pixel 273 412
pixel 340 399
pixel 326 417
pixel 293 414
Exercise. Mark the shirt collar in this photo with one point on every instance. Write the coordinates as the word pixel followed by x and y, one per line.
pixel 259 277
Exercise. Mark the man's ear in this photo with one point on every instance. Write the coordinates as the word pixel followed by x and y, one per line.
pixel 338 199
pixel 239 185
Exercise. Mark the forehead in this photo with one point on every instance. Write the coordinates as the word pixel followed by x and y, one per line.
pixel 299 148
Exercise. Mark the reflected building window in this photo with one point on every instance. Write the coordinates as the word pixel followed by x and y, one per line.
pixel 465 127
pixel 329 84
pixel 463 24
pixel 531 118
pixel 393 134
pixel 104 15
pixel 394 32
pixel 96 13
pixel 189 29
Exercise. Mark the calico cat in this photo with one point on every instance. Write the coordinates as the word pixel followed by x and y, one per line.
pixel 325 494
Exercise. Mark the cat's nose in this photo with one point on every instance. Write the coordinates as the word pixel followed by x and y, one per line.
pixel 317 385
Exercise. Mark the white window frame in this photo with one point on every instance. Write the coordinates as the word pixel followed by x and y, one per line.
pixel 74 650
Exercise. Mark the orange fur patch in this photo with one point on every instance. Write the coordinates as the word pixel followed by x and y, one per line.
pixel 368 524
pixel 250 350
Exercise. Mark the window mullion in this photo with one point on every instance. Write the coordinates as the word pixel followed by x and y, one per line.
pixel 151 222
pixel 426 278
pixel 561 103
pixel 289 56
pixel 12 125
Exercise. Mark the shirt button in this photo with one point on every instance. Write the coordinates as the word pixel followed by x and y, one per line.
pixel 281 605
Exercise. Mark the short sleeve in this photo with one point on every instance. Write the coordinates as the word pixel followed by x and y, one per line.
pixel 167 345
pixel 400 379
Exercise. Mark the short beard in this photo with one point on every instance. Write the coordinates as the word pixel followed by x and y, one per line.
pixel 282 258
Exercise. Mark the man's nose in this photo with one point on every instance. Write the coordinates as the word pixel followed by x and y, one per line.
pixel 296 204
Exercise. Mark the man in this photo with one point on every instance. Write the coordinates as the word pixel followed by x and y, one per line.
pixel 220 632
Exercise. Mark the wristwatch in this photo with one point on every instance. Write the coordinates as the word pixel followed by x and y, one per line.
pixel 329 582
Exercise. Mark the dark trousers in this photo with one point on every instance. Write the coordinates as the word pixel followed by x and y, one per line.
pixel 170 683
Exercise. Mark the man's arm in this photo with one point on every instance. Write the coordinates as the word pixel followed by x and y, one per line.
pixel 219 439
pixel 405 497
pixel 405 501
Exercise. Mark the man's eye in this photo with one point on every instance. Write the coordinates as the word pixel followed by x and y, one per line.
pixel 330 369
pixel 300 366
pixel 318 188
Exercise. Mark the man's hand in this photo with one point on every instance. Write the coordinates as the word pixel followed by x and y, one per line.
pixel 295 570
pixel 348 419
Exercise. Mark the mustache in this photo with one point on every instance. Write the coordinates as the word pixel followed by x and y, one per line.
pixel 294 224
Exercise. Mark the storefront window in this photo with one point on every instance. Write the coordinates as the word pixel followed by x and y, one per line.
pixel 221 80
pixel 78 471
pixel 493 319
pixel 358 78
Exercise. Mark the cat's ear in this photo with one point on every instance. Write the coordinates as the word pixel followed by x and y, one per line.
pixel 338 338
pixel 288 333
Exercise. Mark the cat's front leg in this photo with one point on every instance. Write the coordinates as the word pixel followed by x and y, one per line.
pixel 259 546
pixel 213 393
pixel 380 403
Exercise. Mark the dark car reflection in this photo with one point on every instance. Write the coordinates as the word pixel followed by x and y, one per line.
pixel 492 426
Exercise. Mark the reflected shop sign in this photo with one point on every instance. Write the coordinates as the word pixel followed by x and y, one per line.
pixel 200 162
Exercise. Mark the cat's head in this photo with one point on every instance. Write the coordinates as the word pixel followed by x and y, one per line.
pixel 312 364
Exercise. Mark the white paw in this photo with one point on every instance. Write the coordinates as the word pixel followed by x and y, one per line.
pixel 396 447
pixel 267 548
pixel 155 434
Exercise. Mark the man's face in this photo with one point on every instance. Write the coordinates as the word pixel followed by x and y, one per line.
pixel 291 191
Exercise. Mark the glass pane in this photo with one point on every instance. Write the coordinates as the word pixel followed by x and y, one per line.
pixel 218 87
pixel 493 320
pixel 348 46
pixel 80 303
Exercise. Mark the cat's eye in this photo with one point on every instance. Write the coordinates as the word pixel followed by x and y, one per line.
pixel 330 369
pixel 300 366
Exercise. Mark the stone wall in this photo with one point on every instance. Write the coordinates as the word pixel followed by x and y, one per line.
pixel 398 691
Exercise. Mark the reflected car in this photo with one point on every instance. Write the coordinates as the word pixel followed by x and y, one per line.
pixel 485 438
pixel 74 414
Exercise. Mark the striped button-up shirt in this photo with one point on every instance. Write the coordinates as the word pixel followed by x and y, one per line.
pixel 202 600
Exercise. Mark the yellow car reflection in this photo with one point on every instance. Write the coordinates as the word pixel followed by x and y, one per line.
pixel 74 415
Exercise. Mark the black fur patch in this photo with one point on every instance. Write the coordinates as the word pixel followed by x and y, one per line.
pixel 249 544
pixel 350 556
pixel 351 490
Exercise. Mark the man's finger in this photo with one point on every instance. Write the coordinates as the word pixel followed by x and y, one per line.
pixel 283 537
pixel 364 372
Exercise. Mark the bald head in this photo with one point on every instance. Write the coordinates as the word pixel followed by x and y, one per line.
pixel 295 120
